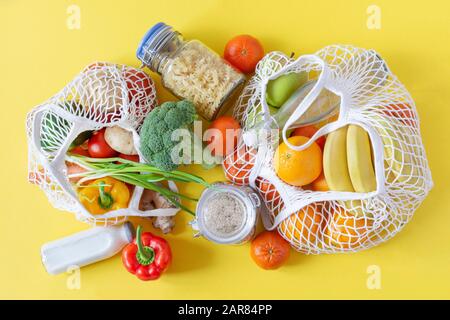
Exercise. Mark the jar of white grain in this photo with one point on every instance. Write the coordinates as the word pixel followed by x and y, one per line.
pixel 190 70
pixel 227 214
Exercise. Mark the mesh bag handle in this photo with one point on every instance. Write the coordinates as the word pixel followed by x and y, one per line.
pixel 306 103
pixel 322 83
pixel 58 160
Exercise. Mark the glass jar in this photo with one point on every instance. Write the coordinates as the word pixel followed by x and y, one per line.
pixel 190 70
pixel 227 214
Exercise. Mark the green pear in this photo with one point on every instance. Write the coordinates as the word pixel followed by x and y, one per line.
pixel 281 88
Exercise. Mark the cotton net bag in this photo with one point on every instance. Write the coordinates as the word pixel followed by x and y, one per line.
pixel 102 95
pixel 370 96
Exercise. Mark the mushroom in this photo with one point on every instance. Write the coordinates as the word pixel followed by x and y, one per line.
pixel 120 140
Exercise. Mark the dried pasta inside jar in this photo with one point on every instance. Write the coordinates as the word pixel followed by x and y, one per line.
pixel 202 76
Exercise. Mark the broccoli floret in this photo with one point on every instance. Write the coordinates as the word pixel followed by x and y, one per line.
pixel 163 161
pixel 174 118
pixel 167 139
pixel 156 132
pixel 177 117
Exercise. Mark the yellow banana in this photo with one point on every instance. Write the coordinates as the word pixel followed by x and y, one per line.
pixel 335 166
pixel 402 169
pixel 398 150
pixel 359 159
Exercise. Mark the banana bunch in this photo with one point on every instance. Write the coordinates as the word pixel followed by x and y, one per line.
pixel 348 163
pixel 347 160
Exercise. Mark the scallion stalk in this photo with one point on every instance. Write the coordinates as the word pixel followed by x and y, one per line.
pixel 135 173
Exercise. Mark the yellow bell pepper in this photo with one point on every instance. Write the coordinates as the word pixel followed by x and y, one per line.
pixel 103 195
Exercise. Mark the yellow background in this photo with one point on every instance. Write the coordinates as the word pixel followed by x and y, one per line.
pixel 39 55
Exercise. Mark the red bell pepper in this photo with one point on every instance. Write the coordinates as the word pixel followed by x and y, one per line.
pixel 148 256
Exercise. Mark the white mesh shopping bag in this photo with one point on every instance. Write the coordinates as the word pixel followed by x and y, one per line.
pixel 368 95
pixel 102 95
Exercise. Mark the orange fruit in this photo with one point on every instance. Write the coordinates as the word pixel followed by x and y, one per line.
pixel 309 131
pixel 346 230
pixel 403 112
pixel 303 227
pixel 237 166
pixel 320 184
pixel 298 168
pixel 269 250
pixel 270 195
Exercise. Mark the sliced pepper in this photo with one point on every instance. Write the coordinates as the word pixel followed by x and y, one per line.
pixel 103 195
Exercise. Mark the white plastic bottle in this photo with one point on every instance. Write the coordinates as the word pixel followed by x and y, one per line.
pixel 85 247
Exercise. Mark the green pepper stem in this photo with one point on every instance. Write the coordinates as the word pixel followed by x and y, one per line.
pixel 145 255
pixel 105 200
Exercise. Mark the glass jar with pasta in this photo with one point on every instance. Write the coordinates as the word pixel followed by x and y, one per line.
pixel 190 70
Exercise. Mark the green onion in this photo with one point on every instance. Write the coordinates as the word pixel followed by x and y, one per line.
pixel 135 173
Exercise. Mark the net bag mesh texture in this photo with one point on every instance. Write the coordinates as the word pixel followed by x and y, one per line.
pixel 370 96
pixel 102 95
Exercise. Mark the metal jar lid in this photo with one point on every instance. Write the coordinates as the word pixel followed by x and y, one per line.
pixel 155 44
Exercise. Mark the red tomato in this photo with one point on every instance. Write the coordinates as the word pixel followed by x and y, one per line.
pixel 98 147
pixel 269 250
pixel 139 87
pixel 80 151
pixel 134 158
pixel 309 131
pixel 244 52
pixel 403 112
pixel 223 135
